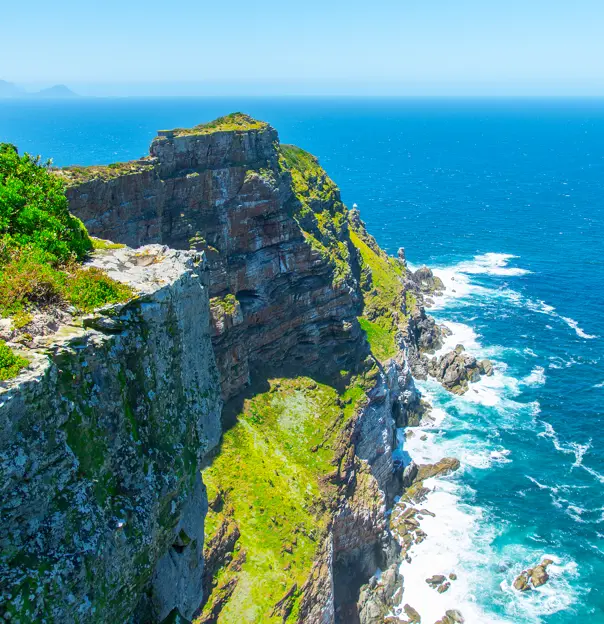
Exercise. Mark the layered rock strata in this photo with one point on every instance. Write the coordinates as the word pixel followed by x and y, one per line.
pixel 275 303
pixel 288 270
pixel 101 442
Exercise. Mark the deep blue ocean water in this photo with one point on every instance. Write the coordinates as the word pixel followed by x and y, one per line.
pixel 506 199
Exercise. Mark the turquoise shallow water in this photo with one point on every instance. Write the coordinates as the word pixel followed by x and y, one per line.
pixel 506 199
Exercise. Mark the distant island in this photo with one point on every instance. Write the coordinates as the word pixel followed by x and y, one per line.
pixel 11 90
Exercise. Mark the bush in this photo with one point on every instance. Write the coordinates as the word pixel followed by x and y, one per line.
pixel 41 242
pixel 29 279
pixel 10 362
pixel 34 209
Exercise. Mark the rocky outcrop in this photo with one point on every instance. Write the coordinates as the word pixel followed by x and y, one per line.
pixel 456 369
pixel 427 282
pixel 276 304
pixel 101 440
pixel 379 596
pixel 533 577
pixel 127 406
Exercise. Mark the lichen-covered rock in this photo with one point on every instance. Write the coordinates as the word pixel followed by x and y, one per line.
pixel 427 281
pixel 101 440
pixel 533 577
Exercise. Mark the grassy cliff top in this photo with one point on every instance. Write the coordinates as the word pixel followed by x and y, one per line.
pixel 78 175
pixel 235 122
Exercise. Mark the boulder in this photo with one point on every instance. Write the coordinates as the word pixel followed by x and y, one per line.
pixel 441 468
pixel 456 369
pixel 533 577
pixel 452 616
pixel 436 580
pixel 378 597
pixel 426 281
pixel 485 367
pixel 412 614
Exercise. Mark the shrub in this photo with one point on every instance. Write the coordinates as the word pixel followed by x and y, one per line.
pixel 34 209
pixel 10 362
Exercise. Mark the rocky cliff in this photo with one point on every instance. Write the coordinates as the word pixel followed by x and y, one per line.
pixel 101 442
pixel 295 318
pixel 227 189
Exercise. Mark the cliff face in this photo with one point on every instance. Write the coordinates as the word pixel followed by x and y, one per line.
pixel 275 303
pixel 101 440
pixel 105 507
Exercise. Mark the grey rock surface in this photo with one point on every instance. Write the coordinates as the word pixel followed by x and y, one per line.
pixel 101 438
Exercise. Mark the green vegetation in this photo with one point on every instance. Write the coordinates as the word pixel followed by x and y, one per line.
pixel 380 339
pixel 319 211
pixel 382 286
pixel 101 243
pixel 79 175
pixel 10 362
pixel 276 475
pixel 227 304
pixel 41 244
pixel 33 209
pixel 235 122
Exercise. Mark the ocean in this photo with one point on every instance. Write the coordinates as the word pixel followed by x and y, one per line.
pixel 505 200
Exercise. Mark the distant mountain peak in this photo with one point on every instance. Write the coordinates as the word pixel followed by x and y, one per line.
pixel 58 91
pixel 11 90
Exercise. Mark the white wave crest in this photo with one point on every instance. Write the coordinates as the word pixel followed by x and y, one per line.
pixel 574 325
pixel 536 378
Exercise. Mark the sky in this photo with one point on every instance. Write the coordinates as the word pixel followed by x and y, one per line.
pixel 328 47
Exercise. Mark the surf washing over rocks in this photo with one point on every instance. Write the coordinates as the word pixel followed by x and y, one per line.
pixel 470 557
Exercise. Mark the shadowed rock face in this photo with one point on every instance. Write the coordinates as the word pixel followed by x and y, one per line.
pixel 101 440
pixel 228 194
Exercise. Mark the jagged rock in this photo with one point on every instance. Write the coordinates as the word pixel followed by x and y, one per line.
pixel 533 577
pixel 99 424
pixel 444 587
pixel 412 614
pixel 486 367
pixel 377 598
pixel 453 576
pixel 436 580
pixel 452 616
pixel 227 194
pixel 427 281
pixel 522 582
pixel 441 468
pixel 456 369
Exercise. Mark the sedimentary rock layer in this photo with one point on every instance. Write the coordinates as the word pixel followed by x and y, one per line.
pixel 101 440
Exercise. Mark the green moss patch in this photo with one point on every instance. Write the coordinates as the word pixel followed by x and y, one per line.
pixel 101 244
pixel 381 339
pixel 383 294
pixel 319 210
pixel 273 476
pixel 10 363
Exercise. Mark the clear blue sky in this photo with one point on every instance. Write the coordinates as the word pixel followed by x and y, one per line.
pixel 315 46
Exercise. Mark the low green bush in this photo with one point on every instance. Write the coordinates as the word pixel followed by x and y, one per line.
pixel 10 362
pixel 41 247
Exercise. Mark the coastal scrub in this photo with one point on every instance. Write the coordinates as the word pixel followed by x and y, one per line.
pixel 42 244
